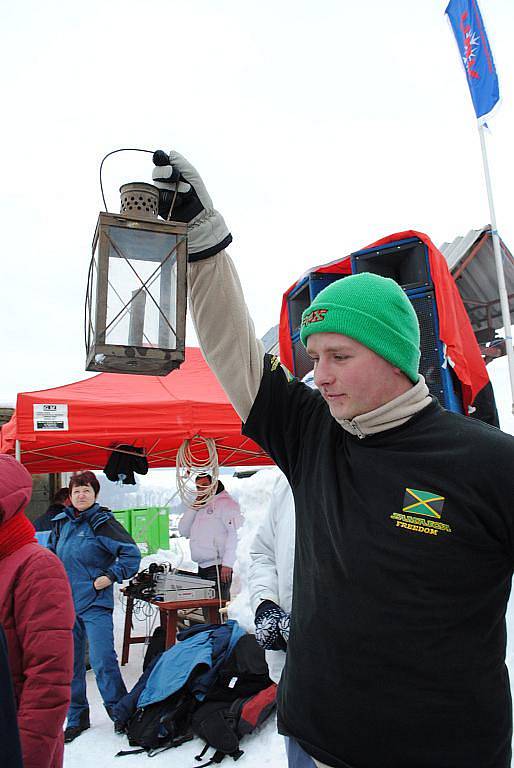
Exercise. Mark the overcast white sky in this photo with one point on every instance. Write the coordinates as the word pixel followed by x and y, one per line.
pixel 318 127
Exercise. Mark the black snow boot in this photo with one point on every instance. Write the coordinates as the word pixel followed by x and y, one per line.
pixel 72 731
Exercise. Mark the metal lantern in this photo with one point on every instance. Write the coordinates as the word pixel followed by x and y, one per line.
pixel 136 297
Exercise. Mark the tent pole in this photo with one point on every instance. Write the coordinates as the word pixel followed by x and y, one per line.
pixel 502 289
pixel 18 451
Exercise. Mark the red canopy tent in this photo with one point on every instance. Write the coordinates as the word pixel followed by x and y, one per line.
pixel 149 412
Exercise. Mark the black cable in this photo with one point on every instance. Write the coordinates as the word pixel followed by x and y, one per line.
pixel 114 151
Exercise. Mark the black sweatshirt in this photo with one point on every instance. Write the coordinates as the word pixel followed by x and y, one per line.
pixel 404 550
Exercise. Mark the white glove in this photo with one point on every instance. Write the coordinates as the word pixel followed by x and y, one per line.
pixel 207 232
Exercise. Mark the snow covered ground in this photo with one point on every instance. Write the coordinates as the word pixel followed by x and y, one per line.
pixel 97 747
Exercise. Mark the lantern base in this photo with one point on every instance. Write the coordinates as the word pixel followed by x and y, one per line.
pixel 136 360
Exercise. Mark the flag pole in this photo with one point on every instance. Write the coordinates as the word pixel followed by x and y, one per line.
pixel 502 289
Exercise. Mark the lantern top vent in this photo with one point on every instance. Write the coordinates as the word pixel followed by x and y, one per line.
pixel 140 200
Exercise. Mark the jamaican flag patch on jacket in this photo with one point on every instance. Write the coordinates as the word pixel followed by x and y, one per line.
pixel 423 503
pixel 421 512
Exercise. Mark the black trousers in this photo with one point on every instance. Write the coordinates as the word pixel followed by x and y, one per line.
pixel 210 573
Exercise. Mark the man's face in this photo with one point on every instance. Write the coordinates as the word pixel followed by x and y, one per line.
pixel 352 378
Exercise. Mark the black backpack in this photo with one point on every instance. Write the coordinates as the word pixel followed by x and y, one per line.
pixel 162 725
pixel 244 673
pixel 221 724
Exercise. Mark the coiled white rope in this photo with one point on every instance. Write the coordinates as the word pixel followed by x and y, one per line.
pixel 197 456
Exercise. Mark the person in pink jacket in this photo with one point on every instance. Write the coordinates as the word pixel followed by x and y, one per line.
pixel 211 526
pixel 36 612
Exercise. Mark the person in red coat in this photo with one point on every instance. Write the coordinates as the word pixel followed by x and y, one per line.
pixel 36 611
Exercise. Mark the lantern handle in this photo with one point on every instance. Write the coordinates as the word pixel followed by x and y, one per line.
pixel 114 151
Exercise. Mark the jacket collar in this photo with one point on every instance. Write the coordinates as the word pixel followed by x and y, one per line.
pixel 393 414
pixel 85 515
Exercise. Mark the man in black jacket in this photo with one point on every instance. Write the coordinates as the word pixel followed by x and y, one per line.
pixel 405 532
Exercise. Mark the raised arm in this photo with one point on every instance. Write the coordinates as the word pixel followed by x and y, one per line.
pixel 224 327
pixel 274 409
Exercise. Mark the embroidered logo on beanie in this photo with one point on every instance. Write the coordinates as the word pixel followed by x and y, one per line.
pixel 316 316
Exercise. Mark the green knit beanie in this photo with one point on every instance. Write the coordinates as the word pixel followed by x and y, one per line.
pixel 373 310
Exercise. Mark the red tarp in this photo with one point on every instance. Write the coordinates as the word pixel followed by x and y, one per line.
pixel 454 326
pixel 150 412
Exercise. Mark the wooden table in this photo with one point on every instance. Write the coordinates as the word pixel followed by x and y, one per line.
pixel 168 617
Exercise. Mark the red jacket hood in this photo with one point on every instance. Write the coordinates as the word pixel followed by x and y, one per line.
pixel 15 487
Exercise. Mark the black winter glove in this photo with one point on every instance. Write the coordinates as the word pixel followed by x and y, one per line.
pixel 268 618
pixel 180 182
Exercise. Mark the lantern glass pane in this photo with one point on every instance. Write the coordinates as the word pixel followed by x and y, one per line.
pixel 142 288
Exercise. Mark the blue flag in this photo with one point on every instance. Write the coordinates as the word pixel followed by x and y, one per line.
pixel 477 58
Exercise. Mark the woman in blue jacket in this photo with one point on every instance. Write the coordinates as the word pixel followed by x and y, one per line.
pixel 96 551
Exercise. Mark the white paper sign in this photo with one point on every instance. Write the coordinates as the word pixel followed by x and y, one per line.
pixel 51 417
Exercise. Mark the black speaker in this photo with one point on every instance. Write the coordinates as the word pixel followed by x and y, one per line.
pixel 301 361
pixel 438 376
pixel 405 262
pixel 297 303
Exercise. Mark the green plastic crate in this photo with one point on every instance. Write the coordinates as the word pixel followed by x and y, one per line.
pixel 151 529
pixel 124 516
